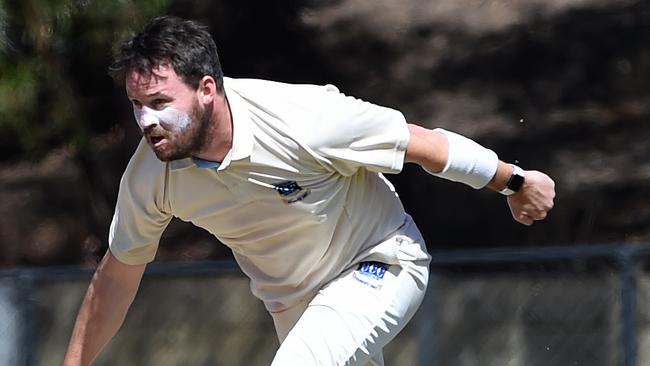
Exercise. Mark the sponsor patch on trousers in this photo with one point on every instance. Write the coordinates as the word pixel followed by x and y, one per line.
pixel 371 274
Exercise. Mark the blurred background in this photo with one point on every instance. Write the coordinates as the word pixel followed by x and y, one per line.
pixel 554 85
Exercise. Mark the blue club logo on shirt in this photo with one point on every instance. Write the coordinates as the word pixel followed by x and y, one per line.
pixel 290 191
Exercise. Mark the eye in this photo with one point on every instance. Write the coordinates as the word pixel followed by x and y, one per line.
pixel 136 104
pixel 158 103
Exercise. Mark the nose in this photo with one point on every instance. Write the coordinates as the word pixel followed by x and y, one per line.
pixel 145 118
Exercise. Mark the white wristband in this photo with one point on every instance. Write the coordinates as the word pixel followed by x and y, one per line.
pixel 467 162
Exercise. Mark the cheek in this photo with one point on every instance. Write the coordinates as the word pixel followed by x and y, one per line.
pixel 174 119
pixel 145 119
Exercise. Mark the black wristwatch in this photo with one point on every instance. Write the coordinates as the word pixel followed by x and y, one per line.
pixel 515 182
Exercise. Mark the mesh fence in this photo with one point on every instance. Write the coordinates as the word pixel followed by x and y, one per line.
pixel 526 319
pixel 561 306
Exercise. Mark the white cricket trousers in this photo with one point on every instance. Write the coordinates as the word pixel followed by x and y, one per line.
pixel 353 317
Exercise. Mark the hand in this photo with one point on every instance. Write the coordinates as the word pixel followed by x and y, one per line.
pixel 534 200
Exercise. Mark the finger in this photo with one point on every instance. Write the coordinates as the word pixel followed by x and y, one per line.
pixel 541 215
pixel 523 218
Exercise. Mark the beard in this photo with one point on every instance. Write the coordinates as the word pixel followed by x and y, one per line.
pixel 190 140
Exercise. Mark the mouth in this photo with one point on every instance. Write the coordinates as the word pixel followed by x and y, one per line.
pixel 156 140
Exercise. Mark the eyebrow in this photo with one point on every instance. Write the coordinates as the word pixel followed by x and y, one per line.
pixel 157 93
pixel 151 95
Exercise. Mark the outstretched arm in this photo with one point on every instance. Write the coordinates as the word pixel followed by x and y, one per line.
pixel 103 310
pixel 479 167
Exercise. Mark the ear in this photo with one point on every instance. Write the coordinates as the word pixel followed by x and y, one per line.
pixel 207 90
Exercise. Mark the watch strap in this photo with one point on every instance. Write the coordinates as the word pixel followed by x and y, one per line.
pixel 515 182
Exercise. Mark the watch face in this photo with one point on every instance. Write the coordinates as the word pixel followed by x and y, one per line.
pixel 515 182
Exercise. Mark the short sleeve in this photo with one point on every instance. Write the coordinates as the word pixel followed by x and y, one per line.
pixel 352 133
pixel 139 219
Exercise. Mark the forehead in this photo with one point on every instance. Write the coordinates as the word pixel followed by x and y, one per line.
pixel 161 78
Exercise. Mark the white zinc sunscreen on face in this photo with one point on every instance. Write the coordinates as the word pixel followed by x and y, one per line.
pixel 168 118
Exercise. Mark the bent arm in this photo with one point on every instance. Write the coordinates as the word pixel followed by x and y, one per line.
pixel 430 149
pixel 103 309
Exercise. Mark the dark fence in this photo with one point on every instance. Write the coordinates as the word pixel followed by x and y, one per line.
pixel 578 305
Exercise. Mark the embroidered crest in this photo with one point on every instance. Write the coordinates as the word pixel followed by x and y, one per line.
pixel 290 191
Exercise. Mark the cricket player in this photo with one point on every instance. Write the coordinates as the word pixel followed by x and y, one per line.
pixel 290 178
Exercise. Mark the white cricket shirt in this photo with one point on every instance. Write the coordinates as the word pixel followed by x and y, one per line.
pixel 298 199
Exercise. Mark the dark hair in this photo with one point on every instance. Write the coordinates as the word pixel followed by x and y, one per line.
pixel 185 45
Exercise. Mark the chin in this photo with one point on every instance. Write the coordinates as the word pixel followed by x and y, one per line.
pixel 166 158
pixel 171 155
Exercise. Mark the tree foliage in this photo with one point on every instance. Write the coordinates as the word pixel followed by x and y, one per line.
pixel 53 53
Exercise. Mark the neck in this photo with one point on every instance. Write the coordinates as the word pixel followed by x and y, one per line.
pixel 220 132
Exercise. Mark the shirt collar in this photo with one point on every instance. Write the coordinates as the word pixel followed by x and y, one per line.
pixel 206 164
pixel 242 140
